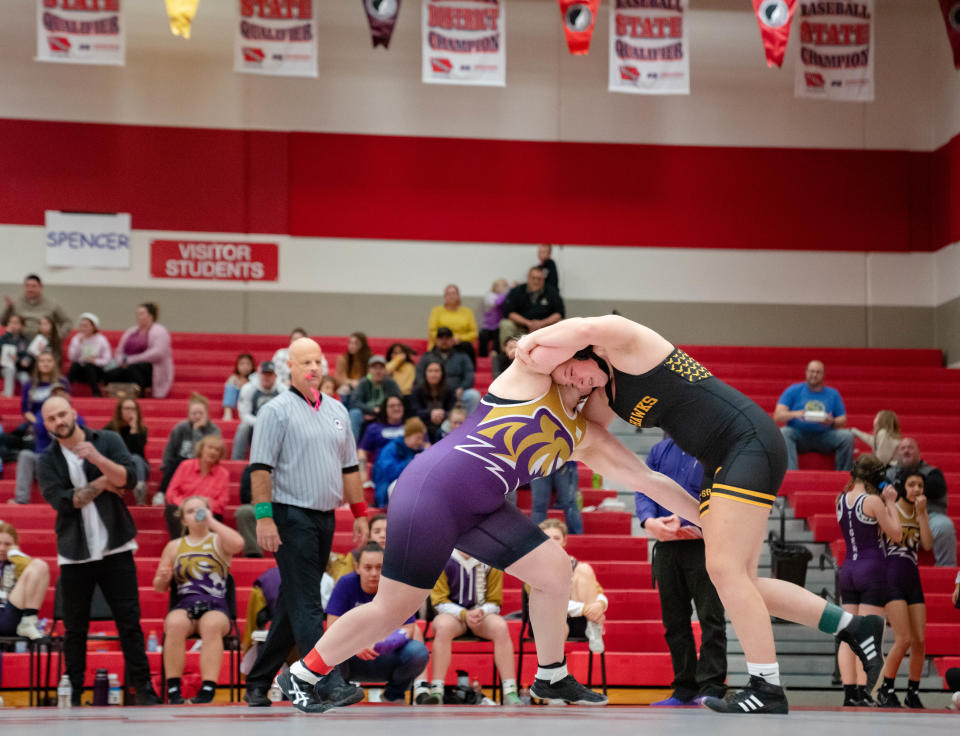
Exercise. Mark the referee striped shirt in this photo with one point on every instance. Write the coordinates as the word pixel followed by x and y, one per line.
pixel 307 450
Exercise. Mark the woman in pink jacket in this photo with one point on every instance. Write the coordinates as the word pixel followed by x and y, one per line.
pixel 144 356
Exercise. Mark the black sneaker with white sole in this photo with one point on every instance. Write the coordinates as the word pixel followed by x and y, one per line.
pixel 912 700
pixel 301 693
pixel 865 636
pixel 887 698
pixel 568 690
pixel 759 696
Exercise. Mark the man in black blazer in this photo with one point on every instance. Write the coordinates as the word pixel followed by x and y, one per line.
pixel 83 475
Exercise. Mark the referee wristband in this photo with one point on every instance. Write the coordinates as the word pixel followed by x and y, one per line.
pixel 358 509
pixel 263 510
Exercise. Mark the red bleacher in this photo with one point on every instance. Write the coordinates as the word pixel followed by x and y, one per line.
pixel 912 382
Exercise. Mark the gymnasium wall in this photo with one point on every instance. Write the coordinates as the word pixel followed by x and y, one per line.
pixel 375 208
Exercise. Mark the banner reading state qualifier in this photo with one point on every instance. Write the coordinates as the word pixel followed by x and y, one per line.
pixel 277 38
pixel 649 47
pixel 836 50
pixel 464 42
pixel 90 32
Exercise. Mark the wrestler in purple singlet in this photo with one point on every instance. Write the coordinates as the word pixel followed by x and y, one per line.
pixel 453 495
pixel 903 575
pixel 863 577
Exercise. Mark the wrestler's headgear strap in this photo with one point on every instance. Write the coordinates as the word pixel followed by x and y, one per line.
pixel 588 354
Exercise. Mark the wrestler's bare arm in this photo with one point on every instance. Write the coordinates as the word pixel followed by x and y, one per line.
pixel 605 455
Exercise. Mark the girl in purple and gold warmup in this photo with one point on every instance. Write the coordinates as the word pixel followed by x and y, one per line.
pixel 862 513
pixel 198 563
pixel 453 496
pixel 906 609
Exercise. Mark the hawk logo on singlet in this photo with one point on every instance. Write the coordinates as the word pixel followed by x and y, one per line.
pixel 683 365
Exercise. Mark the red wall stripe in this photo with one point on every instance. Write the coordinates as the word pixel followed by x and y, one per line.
pixel 335 185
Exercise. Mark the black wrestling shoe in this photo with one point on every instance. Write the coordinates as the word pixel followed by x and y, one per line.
pixel 331 688
pixel 301 693
pixel 888 699
pixel 912 700
pixel 256 697
pixel 759 696
pixel 204 695
pixel 146 695
pixel 568 690
pixel 174 696
pixel 865 636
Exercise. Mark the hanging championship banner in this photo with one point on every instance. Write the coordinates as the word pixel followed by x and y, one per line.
pixel 951 15
pixel 836 50
pixel 87 240
pixel 382 15
pixel 464 42
pixel 773 17
pixel 72 32
pixel 579 19
pixel 276 38
pixel 649 47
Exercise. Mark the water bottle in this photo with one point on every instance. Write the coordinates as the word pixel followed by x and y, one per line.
pixel 200 514
pixel 152 643
pixel 274 694
pixel 101 687
pixel 64 693
pixel 115 696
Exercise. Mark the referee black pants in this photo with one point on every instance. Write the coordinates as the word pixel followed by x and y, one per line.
pixel 306 537
pixel 680 570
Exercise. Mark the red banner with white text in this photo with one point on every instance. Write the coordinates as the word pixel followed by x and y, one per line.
pixel 773 17
pixel 213 260
pixel 579 20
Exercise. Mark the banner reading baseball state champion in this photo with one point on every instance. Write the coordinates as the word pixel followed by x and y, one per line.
pixel 649 47
pixel 464 42
pixel 91 32
pixel 836 50
pixel 773 17
pixel 278 39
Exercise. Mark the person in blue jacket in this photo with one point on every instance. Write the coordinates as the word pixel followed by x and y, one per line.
pixel 395 456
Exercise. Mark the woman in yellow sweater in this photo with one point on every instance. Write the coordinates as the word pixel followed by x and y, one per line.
pixel 458 318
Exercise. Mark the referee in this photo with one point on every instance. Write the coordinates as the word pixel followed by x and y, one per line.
pixel 303 466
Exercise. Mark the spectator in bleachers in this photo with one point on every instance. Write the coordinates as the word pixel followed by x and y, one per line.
pixel 456 318
pixel 399 658
pixel 906 607
pixel 387 426
pixel 32 305
pixel 816 419
pixel 432 398
pixel 547 264
pixel 456 417
pixel 15 361
pixel 202 475
pixel 467 596
pixel 564 482
pixel 530 306
pixel 47 339
pixel 23 584
pixel 457 367
pixel 262 386
pixel 502 360
pixel 144 355
pixel 261 607
pixel 400 366
pixel 863 512
pixel 885 438
pixel 89 353
pixel 909 461
pixel 341 564
pixel 199 565
pixel 488 340
pixel 243 367
pixel 587 607
pixel 352 365
pixel 127 422
pixel 184 438
pixel 328 387
pixel 33 442
pixel 396 456
pixel 370 394
pixel 282 355
pixel 44 376
pixel 83 475
pixel 680 572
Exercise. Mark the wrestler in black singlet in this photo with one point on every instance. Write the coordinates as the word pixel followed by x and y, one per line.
pixel 742 451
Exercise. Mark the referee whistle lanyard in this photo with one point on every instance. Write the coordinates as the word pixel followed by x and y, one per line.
pixel 316 399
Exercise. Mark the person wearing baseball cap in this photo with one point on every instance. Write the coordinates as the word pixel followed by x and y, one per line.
pixel 262 386
pixel 89 353
pixel 370 394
